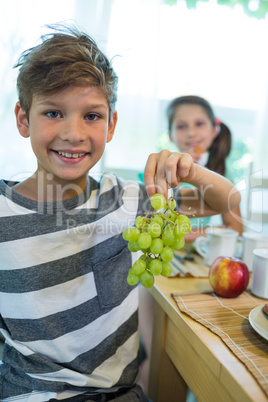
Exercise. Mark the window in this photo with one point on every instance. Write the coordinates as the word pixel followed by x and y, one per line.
pixel 160 52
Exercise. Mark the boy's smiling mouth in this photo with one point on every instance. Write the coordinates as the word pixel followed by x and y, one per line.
pixel 71 155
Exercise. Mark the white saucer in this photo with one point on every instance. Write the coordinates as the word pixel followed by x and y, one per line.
pixel 259 321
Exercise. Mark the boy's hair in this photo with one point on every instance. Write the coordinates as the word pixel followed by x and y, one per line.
pixel 64 58
pixel 221 146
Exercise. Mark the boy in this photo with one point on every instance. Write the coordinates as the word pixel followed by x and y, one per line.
pixel 66 311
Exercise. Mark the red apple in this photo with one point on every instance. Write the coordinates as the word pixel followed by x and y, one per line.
pixel 228 276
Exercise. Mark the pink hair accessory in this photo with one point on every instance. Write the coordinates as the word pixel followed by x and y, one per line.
pixel 217 122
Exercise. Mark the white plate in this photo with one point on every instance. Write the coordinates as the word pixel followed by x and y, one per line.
pixel 259 321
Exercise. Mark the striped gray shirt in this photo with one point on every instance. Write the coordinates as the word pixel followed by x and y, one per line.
pixel 66 311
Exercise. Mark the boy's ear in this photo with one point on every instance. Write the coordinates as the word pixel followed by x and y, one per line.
pixel 112 126
pixel 22 121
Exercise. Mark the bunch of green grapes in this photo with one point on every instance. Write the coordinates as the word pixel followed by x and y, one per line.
pixel 156 235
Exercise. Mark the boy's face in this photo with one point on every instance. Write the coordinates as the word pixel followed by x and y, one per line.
pixel 68 131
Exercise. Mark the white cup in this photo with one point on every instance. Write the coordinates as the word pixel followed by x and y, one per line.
pixel 259 284
pixel 218 242
pixel 252 241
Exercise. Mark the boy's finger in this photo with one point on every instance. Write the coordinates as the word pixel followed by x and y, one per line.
pixel 185 167
pixel 149 175
pixel 154 176
pixel 170 170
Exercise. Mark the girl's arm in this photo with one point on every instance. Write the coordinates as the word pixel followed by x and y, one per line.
pixel 230 220
pixel 213 193
pixel 233 220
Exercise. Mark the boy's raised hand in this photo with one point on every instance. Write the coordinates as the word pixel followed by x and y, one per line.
pixel 166 169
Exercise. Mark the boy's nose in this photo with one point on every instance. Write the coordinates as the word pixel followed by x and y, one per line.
pixel 73 132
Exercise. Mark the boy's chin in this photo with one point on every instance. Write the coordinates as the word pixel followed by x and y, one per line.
pixel 54 178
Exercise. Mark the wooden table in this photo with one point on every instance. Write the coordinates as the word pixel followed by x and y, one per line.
pixel 186 353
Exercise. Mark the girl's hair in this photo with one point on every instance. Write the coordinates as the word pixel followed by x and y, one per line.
pixel 64 58
pixel 221 146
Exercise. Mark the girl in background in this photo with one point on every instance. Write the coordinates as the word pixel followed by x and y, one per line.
pixel 194 129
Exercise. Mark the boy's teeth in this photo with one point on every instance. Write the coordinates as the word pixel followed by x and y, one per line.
pixel 67 155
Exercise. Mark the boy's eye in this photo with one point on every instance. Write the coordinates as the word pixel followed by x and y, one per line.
pixel 53 114
pixel 180 127
pixel 92 116
pixel 200 123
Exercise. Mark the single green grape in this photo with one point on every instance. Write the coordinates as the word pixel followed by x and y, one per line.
pixel 145 227
pixel 131 234
pixel 158 201
pixel 183 225
pixel 139 267
pixel 166 269
pixel 171 215
pixel 132 279
pixel 155 267
pixel 147 279
pixel 168 235
pixel 139 222
pixel 156 246
pixel 154 229
pixel 158 219
pixel 172 203
pixel 144 240
pixel 166 254
pixel 178 243
pixel 177 230
pixel 133 246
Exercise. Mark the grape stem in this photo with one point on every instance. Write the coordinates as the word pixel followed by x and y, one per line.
pixel 145 217
pixel 167 219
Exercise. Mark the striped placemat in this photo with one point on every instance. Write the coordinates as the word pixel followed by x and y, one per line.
pixel 228 318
